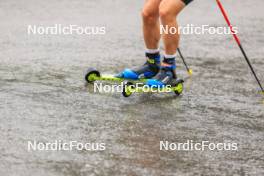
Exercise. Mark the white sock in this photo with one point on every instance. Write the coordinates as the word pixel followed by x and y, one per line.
pixel 169 56
pixel 152 51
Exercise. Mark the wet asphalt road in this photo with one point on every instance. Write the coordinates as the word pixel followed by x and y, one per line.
pixel 44 97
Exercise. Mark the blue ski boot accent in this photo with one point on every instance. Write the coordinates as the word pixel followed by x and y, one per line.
pixel 166 76
pixel 148 70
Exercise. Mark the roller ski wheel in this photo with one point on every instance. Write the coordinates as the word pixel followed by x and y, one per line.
pixel 92 75
pixel 127 89
pixel 178 87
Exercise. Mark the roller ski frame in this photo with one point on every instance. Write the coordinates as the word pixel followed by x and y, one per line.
pixel 93 75
pixel 129 88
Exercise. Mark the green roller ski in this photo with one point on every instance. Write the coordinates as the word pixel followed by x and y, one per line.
pixel 93 75
pixel 129 88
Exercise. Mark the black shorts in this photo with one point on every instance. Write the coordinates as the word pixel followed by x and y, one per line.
pixel 187 1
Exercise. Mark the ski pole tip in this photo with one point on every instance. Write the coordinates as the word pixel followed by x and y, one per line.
pixel 190 72
pixel 261 92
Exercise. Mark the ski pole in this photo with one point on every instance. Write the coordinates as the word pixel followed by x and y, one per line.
pixel 239 43
pixel 187 68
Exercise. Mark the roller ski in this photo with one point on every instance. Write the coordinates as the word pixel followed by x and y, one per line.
pixel 165 81
pixel 140 74
pixel 129 88
pixel 93 75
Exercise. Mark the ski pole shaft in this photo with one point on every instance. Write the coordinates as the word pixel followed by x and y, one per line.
pixel 187 68
pixel 239 43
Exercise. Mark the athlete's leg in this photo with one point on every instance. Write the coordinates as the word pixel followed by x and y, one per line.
pixel 168 10
pixel 151 29
pixel 150 15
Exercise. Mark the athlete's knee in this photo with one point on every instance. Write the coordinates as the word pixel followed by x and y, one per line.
pixel 169 11
pixel 166 14
pixel 149 16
